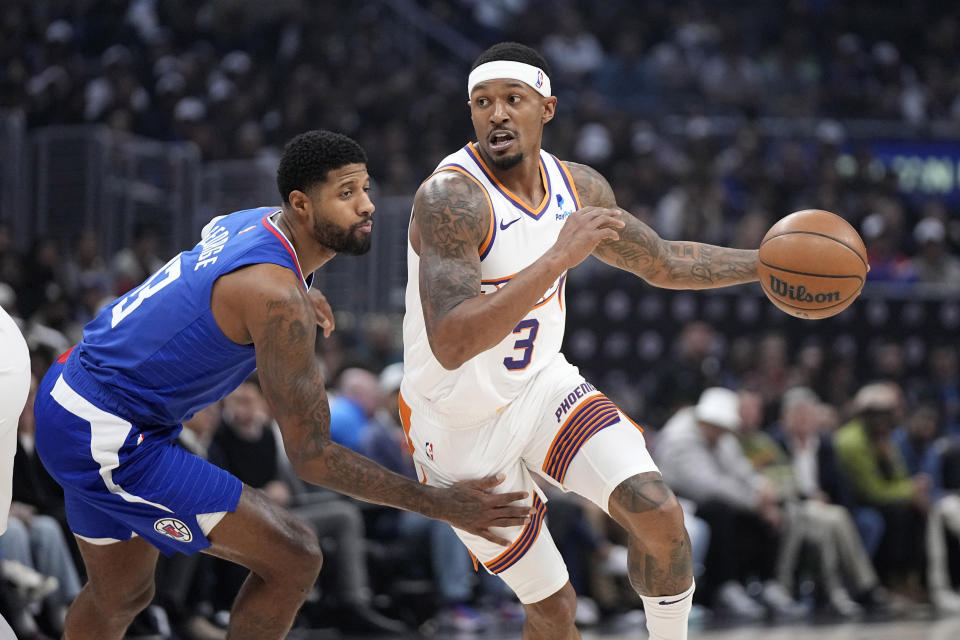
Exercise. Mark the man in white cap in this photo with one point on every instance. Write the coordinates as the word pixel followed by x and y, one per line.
pixel 700 457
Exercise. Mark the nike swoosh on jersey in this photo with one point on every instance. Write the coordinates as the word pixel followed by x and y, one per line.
pixel 503 227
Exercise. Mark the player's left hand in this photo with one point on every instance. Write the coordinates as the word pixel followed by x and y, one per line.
pixel 323 312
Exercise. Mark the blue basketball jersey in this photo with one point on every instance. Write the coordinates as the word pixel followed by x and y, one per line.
pixel 156 355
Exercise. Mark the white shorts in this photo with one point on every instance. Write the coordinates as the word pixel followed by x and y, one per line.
pixel 561 428
pixel 14 387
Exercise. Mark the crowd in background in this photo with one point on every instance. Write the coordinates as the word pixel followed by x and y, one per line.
pixel 240 78
pixel 841 492
pixel 798 498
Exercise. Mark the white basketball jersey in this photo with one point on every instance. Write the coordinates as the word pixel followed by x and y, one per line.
pixel 14 387
pixel 518 236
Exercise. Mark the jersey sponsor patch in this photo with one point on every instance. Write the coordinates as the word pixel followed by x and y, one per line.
pixel 173 528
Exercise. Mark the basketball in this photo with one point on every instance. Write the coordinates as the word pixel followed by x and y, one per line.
pixel 812 264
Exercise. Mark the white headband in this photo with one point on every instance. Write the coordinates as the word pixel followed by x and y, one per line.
pixel 503 69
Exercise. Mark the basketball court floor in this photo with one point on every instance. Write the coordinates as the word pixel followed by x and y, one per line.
pixel 947 629
pixel 944 629
pixel 920 629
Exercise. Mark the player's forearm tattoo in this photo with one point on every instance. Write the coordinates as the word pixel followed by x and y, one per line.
pixel 291 380
pixel 452 215
pixel 640 250
pixel 696 264
pixel 289 374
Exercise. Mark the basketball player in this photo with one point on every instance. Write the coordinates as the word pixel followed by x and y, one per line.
pixel 493 232
pixel 109 409
pixel 14 387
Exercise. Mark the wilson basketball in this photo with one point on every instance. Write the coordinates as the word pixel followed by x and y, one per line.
pixel 812 264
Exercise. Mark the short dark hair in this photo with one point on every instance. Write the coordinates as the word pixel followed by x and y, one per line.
pixel 512 51
pixel 310 156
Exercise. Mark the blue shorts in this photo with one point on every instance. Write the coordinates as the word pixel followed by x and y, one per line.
pixel 121 479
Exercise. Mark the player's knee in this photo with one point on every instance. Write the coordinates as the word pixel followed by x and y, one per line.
pixel 553 614
pixel 124 603
pixel 141 599
pixel 650 511
pixel 669 533
pixel 306 558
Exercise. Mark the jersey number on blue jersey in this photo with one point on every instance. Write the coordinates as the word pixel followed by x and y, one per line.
pixel 156 282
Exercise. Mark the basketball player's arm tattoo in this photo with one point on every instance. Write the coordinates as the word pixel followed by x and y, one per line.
pixel 663 263
pixel 293 385
pixel 284 335
pixel 451 214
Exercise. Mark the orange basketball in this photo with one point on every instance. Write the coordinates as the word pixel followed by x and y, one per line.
pixel 812 264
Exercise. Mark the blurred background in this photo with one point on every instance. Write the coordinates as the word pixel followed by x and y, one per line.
pixel 126 125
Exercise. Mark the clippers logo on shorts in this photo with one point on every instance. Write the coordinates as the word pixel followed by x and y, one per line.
pixel 428 447
pixel 173 528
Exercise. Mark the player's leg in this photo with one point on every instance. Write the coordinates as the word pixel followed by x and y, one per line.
pixel 586 445
pixel 552 617
pixel 533 568
pixel 119 586
pixel 531 565
pixel 659 561
pixel 284 559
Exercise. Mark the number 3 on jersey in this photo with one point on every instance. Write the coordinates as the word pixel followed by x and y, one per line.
pixel 531 325
pixel 160 279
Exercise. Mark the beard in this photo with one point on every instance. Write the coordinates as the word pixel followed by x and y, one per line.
pixel 349 240
pixel 507 162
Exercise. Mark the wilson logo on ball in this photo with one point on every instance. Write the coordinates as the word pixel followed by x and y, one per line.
pixel 800 293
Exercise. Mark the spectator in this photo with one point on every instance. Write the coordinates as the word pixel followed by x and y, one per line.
pixel 944 385
pixel 132 265
pixel 353 405
pixel 943 467
pixel 934 264
pixel 820 511
pixel 915 437
pixel 873 464
pixel 701 460
pixel 693 367
pixel 34 539
pixel 888 262
pixel 32 485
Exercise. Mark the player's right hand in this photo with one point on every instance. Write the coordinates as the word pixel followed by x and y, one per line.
pixel 471 505
pixel 322 311
pixel 583 231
